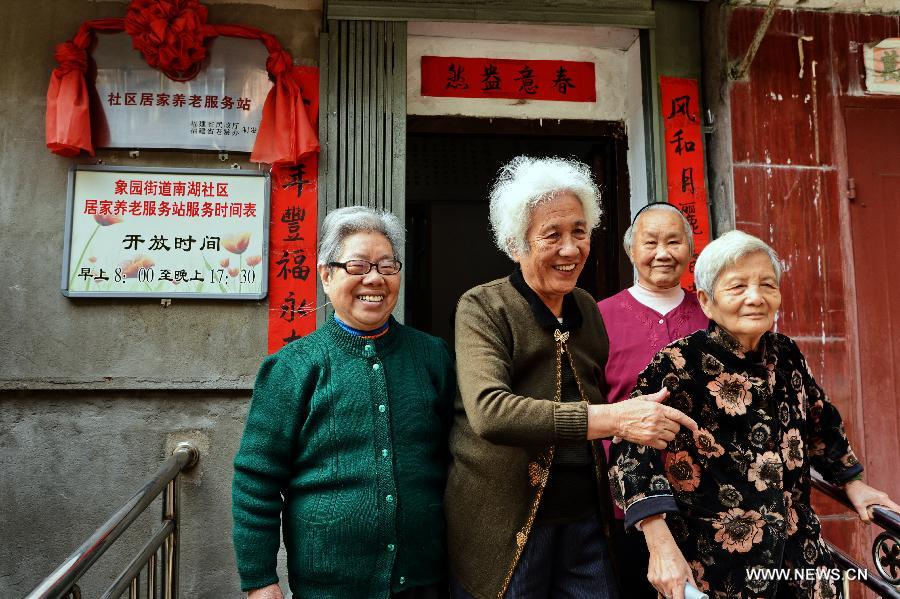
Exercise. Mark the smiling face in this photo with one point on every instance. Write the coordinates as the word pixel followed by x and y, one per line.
pixel 559 244
pixel 745 299
pixel 660 250
pixel 363 302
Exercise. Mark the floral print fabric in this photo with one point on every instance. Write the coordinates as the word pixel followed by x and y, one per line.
pixel 737 491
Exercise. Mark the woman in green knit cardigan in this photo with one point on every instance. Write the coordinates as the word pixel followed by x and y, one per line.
pixel 344 449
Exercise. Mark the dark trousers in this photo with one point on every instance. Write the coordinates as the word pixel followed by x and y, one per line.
pixel 561 561
pixel 633 561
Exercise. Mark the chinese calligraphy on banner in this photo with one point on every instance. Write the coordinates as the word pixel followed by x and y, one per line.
pixel 293 236
pixel 165 232
pixel 561 80
pixel 685 174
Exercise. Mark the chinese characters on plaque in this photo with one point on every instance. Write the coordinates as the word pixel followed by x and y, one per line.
pixel 685 176
pixel 560 80
pixel 153 232
pixel 219 109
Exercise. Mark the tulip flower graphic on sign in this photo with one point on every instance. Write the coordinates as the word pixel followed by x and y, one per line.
pixel 254 260
pixel 136 268
pixel 103 220
pixel 130 268
pixel 236 244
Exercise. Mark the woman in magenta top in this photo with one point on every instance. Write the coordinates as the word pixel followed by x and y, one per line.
pixel 640 321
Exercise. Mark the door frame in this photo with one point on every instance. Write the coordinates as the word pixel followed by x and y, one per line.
pixel 613 131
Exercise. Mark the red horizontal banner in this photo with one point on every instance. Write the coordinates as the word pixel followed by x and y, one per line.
pixel 560 80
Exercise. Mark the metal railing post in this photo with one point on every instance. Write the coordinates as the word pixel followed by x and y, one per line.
pixel 175 515
pixel 167 547
pixel 62 583
pixel 151 577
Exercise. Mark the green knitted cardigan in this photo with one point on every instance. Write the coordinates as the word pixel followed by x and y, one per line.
pixel 344 451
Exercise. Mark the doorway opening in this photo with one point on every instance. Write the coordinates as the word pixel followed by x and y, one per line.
pixel 450 165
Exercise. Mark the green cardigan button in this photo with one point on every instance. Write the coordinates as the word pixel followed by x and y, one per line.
pixel 389 499
pixel 382 408
pixel 391 547
pixel 376 366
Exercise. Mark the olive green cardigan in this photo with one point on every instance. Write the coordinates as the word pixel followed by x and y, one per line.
pixel 506 421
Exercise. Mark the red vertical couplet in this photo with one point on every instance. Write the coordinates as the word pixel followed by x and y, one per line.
pixel 685 170
pixel 293 235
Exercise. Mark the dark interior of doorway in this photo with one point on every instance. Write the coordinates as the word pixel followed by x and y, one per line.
pixel 450 165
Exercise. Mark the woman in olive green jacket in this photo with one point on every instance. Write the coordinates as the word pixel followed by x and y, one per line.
pixel 527 497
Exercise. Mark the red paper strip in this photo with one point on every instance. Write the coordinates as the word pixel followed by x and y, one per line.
pixel 561 80
pixel 293 236
pixel 685 170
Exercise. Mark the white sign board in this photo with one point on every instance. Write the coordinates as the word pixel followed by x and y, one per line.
pixel 155 232
pixel 219 109
pixel 883 67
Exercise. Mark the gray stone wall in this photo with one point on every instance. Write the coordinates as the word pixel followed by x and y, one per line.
pixel 94 393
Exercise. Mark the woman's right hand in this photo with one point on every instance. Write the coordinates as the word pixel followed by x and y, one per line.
pixel 273 591
pixel 645 420
pixel 668 570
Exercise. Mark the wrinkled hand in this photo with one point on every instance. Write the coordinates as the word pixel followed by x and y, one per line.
pixel 645 421
pixel 863 497
pixel 273 591
pixel 667 570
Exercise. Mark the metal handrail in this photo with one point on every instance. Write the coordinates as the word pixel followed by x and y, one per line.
pixel 883 517
pixel 63 581
pixel 889 520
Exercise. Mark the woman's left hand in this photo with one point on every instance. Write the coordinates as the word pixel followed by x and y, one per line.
pixel 862 496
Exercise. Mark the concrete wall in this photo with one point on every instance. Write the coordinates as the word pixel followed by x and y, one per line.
pixel 94 392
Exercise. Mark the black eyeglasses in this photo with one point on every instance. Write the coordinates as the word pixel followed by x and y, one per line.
pixel 364 267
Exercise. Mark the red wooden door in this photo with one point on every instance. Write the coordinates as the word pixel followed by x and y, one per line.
pixel 873 152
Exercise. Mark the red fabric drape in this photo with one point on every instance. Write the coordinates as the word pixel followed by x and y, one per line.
pixel 68 123
pixel 286 132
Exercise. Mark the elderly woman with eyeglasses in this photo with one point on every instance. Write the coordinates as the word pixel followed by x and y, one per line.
pixel 640 321
pixel 344 450
pixel 527 499
pixel 736 491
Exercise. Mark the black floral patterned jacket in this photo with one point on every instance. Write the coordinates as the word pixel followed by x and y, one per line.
pixel 737 491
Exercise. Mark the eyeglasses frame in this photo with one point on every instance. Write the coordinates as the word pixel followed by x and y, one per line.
pixel 371 265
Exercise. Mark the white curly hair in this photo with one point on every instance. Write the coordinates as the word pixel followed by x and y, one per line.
pixel 524 183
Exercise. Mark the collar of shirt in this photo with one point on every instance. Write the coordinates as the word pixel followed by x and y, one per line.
pixel 660 301
pixel 727 341
pixel 571 315
pixel 358 345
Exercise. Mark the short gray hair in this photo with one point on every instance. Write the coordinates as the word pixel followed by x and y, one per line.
pixel 524 183
pixel 628 238
pixel 724 252
pixel 340 223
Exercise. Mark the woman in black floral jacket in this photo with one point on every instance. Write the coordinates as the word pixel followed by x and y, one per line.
pixel 720 506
